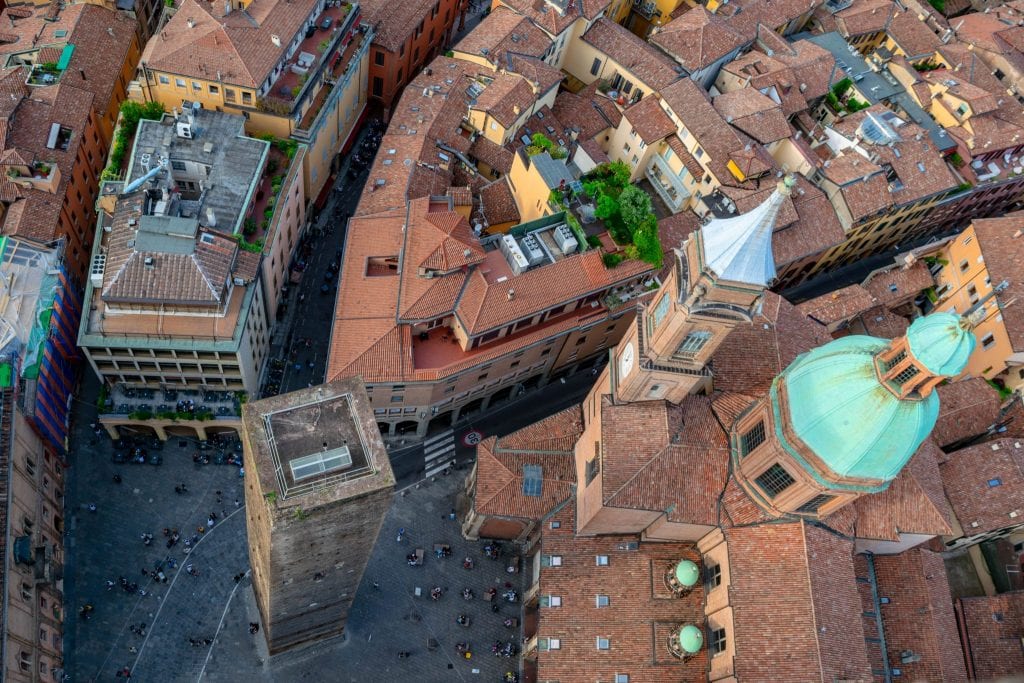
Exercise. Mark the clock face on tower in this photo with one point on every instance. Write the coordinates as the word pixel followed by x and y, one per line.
pixel 626 360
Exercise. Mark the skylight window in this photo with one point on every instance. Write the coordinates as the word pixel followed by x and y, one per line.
pixel 320 463
pixel 532 481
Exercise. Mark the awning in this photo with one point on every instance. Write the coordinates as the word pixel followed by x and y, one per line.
pixel 65 57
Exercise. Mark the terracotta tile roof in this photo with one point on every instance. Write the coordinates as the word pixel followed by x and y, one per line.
pixel 697 38
pixel 919 616
pixel 632 53
pixel 691 164
pixel 738 509
pixel 27 27
pixel 838 306
pixel 192 271
pixel 728 405
pixel 685 476
pixel 796 619
pixel 395 22
pixel 914 503
pixel 862 184
pixel 556 433
pixel 504 31
pixel 650 120
pixel 721 142
pixel 897 285
pixel 968 475
pixel 752 355
pixel 37 214
pixel 484 305
pixel 879 322
pixel 969 66
pixel 505 98
pixel 593 150
pixel 540 74
pixel 461 196
pixel 581 112
pixel 500 468
pixel 102 39
pixel 494 155
pixel 755 114
pixel 967 409
pixel 912 34
pixel 816 228
pixel 498 204
pixel 987 30
pixel 993 625
pixel 236 48
pixel 552 21
pixel 640 615
pixel 1004 260
pixel 867 16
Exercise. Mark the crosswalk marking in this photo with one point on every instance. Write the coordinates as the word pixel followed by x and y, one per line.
pixel 439 453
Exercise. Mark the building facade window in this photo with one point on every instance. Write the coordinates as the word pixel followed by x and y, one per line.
pixel 751 439
pixel 775 480
pixel 692 344
pixel 378 58
pixel 815 504
pixel 716 641
pixel 712 577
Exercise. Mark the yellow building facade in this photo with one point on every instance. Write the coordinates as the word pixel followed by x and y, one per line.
pixel 321 108
pixel 963 283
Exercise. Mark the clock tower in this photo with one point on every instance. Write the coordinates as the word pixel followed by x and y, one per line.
pixel 718 281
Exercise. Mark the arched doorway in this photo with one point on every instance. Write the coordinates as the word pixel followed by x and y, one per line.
pixel 532 382
pixel 440 421
pixel 471 407
pixel 384 428
pixel 501 395
pixel 406 427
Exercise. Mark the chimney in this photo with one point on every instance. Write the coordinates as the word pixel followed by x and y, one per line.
pixel 515 109
pixel 511 294
pixel 1017 234
pixel 211 217
pixel 191 22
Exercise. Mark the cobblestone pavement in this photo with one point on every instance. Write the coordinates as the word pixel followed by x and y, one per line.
pixel 391 619
pixel 106 544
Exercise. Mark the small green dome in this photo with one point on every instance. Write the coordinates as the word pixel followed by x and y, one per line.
pixel 687 573
pixel 690 639
pixel 942 342
pixel 840 409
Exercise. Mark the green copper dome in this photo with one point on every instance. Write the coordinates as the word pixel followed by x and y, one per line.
pixel 690 639
pixel 687 573
pixel 840 409
pixel 942 342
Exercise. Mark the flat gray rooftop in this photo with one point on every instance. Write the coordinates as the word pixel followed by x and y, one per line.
pixel 316 445
pixel 230 163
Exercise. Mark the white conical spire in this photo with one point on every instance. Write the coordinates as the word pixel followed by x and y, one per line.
pixel 739 248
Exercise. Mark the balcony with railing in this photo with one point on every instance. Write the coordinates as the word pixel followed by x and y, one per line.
pixel 666 183
pixel 342 67
pixel 303 75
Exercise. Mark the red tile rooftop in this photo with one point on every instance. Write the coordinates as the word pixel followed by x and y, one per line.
pixel 495 267
pixel 439 348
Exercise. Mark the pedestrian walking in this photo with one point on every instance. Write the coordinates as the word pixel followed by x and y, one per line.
pixel 254 627
pixel 91 507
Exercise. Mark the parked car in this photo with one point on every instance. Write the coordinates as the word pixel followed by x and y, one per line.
pixel 326 23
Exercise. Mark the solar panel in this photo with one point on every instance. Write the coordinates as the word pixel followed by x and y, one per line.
pixel 532 480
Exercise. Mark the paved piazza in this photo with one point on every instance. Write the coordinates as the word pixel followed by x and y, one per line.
pixel 106 544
